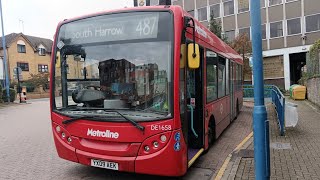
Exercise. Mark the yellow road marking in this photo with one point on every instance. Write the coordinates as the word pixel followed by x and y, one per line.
pixel 226 162
pixel 195 157
pixel 244 141
pixel 223 168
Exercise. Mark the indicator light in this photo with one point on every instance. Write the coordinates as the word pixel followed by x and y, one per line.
pixel 63 135
pixel 163 138
pixel 58 129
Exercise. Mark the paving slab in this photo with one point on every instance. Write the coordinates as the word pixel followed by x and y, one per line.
pixel 293 156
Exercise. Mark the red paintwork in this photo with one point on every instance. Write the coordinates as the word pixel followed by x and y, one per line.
pixel 128 148
pixel 165 162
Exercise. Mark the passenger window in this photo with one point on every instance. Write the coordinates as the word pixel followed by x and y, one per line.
pixel 237 77
pixel 227 76
pixel 221 77
pixel 211 74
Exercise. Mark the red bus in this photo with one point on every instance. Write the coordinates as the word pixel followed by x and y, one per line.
pixel 143 90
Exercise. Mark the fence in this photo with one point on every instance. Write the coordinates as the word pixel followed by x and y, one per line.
pixel 273 92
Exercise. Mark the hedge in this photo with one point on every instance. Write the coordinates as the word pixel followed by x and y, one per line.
pixel 30 87
pixel 13 95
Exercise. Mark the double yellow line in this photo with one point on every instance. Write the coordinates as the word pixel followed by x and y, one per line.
pixel 226 162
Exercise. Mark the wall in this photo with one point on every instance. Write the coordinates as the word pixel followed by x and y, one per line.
pixel 313 86
pixel 31 57
pixel 285 52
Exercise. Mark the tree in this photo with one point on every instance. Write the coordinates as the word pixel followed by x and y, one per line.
pixel 242 45
pixel 215 27
pixel 39 79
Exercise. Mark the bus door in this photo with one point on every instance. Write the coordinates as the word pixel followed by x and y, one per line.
pixel 194 92
pixel 231 81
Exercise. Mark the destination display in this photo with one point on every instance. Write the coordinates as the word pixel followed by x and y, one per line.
pixel 127 26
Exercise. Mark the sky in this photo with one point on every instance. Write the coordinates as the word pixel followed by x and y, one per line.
pixel 41 17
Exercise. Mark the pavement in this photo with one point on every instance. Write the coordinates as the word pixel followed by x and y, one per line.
pixel 293 156
pixel 27 149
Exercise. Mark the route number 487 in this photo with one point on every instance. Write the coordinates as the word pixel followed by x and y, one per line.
pixel 146 26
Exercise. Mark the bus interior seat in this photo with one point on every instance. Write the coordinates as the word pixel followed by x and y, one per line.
pixel 89 96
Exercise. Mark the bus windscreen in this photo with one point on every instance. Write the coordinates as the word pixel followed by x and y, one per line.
pixel 117 61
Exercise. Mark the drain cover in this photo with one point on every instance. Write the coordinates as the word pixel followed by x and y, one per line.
pixel 278 145
pixel 244 153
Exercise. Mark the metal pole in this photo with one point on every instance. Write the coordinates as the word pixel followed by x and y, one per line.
pixel 259 110
pixel 19 90
pixel 5 55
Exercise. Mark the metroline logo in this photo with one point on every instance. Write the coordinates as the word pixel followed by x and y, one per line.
pixel 106 134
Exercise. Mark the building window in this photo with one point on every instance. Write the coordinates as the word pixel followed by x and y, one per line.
pixel 313 23
pixel 263 31
pixel 23 66
pixel 263 3
pixel 21 48
pixel 228 8
pixel 245 31
pixel 215 10
pixel 43 68
pixel 274 2
pixel 243 6
pixel 154 2
pixel 230 35
pixel 202 14
pixel 276 29
pixel 42 51
pixel 191 13
pixel 294 26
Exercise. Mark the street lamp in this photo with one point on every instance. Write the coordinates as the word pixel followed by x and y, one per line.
pixel 5 55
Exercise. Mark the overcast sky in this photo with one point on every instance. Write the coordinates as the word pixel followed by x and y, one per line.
pixel 40 17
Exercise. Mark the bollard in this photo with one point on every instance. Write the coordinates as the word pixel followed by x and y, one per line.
pixel 24 94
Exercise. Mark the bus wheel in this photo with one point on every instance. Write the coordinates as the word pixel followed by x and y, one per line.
pixel 211 131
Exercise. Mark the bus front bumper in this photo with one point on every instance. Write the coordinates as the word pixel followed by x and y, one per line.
pixel 165 162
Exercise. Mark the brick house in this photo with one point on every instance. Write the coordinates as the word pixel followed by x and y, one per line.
pixel 31 54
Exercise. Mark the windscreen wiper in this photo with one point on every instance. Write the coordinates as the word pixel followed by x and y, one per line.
pixel 96 118
pixel 91 118
pixel 137 125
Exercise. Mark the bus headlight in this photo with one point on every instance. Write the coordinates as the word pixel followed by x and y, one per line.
pixel 155 144
pixel 61 133
pixel 146 148
pixel 69 139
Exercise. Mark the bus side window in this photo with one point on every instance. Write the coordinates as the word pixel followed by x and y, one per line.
pixel 221 77
pixel 227 76
pixel 211 76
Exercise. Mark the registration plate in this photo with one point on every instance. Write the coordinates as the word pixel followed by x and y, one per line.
pixel 104 164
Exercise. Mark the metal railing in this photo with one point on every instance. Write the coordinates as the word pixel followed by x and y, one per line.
pixel 278 99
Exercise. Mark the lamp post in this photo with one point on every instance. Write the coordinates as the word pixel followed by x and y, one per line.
pixel 5 55
pixel 260 123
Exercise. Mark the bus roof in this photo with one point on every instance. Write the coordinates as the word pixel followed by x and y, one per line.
pixel 202 32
